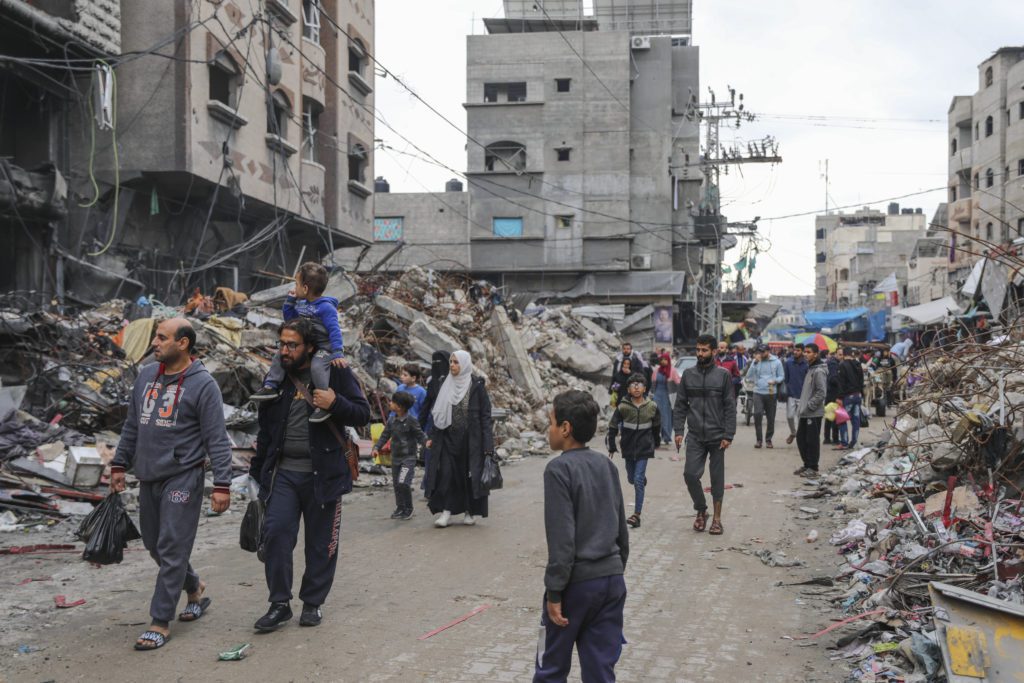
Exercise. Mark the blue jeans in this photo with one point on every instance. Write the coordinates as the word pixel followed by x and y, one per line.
pixel 636 475
pixel 843 434
pixel 852 404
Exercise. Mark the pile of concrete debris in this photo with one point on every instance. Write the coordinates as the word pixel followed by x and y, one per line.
pixel 66 379
pixel 392 322
pixel 931 525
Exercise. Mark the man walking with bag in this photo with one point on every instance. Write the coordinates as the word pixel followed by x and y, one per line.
pixel 175 421
pixel 303 472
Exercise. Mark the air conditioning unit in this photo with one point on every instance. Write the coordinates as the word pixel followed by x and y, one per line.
pixel 640 42
pixel 640 262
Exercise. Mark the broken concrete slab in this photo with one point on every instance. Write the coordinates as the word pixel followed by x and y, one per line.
pixel 428 335
pixel 582 361
pixel 520 365
pixel 397 308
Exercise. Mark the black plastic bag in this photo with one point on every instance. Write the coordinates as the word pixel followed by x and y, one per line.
pixel 106 531
pixel 251 532
pixel 490 478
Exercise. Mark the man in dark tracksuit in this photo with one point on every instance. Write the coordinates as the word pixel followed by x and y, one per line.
pixel 705 403
pixel 302 472
pixel 175 421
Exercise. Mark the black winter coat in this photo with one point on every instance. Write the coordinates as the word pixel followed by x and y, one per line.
pixel 851 378
pixel 481 441
pixel 331 476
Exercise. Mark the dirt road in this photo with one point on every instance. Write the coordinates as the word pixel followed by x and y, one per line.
pixel 700 607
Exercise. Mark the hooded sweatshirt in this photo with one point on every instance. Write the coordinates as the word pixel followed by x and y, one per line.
pixel 323 313
pixel 174 422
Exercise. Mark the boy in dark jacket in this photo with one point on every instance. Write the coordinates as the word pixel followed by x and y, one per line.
pixel 639 420
pixel 404 432
pixel 307 301
pixel 588 545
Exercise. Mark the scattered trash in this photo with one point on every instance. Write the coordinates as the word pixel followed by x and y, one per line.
pixel 777 559
pixel 235 654
pixel 61 602
pixel 812 536
pixel 458 621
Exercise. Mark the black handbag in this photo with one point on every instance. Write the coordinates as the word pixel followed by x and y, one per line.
pixel 250 535
pixel 491 478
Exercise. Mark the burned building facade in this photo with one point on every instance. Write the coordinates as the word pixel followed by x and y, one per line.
pixel 192 145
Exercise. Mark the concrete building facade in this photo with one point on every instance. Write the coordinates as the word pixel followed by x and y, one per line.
pixel 986 163
pixel 239 139
pixel 42 101
pixel 579 151
pixel 855 252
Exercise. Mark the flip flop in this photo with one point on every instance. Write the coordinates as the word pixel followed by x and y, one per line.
pixel 158 639
pixel 194 610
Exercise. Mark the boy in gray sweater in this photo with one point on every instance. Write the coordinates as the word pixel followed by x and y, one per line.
pixel 406 436
pixel 588 545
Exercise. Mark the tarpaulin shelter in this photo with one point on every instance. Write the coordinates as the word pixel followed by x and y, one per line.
pixel 930 313
pixel 822 319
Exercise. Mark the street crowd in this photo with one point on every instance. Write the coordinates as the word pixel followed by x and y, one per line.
pixel 305 461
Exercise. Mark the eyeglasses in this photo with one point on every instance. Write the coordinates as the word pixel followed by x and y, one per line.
pixel 291 346
pixel 637 385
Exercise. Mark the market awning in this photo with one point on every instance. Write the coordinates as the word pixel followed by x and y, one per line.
pixel 821 319
pixel 931 312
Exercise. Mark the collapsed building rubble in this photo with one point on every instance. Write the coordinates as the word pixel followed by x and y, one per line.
pixel 930 524
pixel 67 378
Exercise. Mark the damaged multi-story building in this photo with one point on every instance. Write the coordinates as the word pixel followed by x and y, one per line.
pixel 582 158
pixel 182 145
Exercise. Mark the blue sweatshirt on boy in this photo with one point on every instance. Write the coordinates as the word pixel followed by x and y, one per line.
pixel 323 312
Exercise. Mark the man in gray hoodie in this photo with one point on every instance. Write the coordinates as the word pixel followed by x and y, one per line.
pixel 810 411
pixel 175 421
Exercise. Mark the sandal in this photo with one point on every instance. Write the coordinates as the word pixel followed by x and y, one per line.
pixel 194 610
pixel 633 521
pixel 716 528
pixel 157 639
pixel 700 522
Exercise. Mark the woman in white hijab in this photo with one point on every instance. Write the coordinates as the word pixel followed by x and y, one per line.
pixel 461 438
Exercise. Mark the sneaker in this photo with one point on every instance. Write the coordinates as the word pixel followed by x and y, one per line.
pixel 278 614
pixel 469 520
pixel 442 521
pixel 800 471
pixel 397 513
pixel 826 442
pixel 405 515
pixel 319 415
pixel 311 615
pixel 265 394
pixel 758 445
pixel 790 439
pixel 809 473
pixel 768 444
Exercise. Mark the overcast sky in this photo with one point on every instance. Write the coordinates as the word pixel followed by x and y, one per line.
pixel 883 73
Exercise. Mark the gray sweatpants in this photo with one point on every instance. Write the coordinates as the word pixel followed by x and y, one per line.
pixel 319 369
pixel 169 517
pixel 697 454
pixel 793 414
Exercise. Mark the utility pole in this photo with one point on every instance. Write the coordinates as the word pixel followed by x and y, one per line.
pixel 709 225
pixel 826 186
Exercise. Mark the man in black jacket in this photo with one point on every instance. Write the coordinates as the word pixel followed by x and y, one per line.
pixel 302 472
pixel 851 387
pixel 705 404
